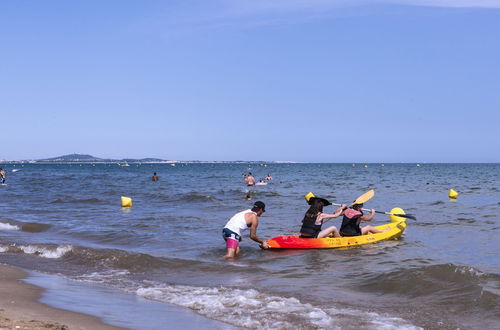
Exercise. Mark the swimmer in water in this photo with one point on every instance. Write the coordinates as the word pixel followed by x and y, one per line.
pixel 250 180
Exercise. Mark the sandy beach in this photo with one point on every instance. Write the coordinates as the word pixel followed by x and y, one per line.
pixel 19 308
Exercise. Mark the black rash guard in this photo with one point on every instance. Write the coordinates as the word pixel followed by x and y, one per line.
pixel 350 223
pixel 309 227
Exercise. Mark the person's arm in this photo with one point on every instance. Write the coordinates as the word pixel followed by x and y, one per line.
pixel 254 223
pixel 337 213
pixel 368 217
pixel 323 216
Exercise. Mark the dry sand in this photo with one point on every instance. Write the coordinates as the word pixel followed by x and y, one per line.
pixel 20 309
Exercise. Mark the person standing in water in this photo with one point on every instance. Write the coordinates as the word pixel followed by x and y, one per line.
pixel 240 222
pixel 155 177
pixel 3 176
pixel 250 180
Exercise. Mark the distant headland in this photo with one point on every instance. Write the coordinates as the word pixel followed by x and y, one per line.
pixel 89 159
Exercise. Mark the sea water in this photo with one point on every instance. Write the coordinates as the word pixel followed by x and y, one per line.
pixel 66 219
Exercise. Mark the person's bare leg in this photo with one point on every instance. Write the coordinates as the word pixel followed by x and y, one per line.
pixel 233 248
pixel 328 231
pixel 371 230
pixel 230 253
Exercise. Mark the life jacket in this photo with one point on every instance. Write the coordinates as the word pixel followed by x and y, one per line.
pixel 350 223
pixel 309 226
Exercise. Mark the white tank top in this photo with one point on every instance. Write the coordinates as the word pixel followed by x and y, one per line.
pixel 238 223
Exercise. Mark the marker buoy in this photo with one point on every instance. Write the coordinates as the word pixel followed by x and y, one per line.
pixel 394 218
pixel 453 194
pixel 126 201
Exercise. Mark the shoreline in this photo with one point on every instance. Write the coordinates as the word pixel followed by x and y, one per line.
pixel 20 307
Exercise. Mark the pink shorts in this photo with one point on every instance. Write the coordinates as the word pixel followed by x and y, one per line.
pixel 232 239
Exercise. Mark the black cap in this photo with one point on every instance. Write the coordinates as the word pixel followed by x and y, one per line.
pixel 259 205
pixel 357 206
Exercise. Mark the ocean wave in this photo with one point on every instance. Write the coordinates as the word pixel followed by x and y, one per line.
pixel 78 201
pixel 121 260
pixel 30 227
pixel 232 191
pixel 34 227
pixel 270 194
pixel 454 285
pixel 252 309
pixel 466 220
pixel 8 226
pixel 196 197
pixel 42 251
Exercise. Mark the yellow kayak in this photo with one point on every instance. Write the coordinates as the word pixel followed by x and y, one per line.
pixel 295 242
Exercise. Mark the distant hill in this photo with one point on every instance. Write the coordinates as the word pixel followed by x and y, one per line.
pixel 142 160
pixel 73 158
pixel 83 158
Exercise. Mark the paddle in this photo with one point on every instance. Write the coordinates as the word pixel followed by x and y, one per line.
pixel 409 216
pixel 360 200
pixel 363 198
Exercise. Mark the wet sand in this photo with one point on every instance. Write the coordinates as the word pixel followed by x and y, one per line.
pixel 20 309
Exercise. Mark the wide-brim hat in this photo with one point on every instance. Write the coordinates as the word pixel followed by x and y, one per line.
pixel 310 198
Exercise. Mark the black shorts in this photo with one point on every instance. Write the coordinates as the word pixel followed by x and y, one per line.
pixel 349 234
pixel 312 236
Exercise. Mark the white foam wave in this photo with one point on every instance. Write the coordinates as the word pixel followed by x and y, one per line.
pixel 469 271
pixel 8 226
pixel 104 277
pixel 4 248
pixel 252 309
pixel 46 252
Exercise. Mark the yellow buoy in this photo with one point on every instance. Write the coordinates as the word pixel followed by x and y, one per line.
pixel 453 194
pixel 366 166
pixel 126 201
pixel 172 164
pixel 394 218
pixel 309 196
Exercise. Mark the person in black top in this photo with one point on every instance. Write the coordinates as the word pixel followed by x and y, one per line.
pixel 353 217
pixel 313 219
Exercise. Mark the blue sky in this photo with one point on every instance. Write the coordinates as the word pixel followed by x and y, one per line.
pixel 303 80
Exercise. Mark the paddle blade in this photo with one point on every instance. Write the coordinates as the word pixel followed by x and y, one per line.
pixel 409 216
pixel 365 197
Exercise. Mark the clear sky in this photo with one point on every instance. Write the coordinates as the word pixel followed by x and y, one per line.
pixel 302 80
